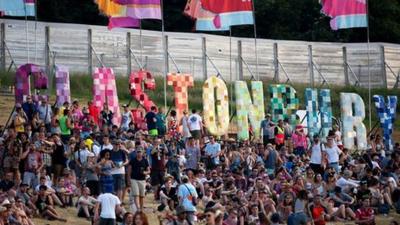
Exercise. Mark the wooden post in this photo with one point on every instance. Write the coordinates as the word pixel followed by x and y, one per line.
pixel 3 47
pixel 204 50
pixel 383 66
pixel 240 60
pixel 311 65
pixel 345 66
pixel 166 55
pixel 128 54
pixel 276 63
pixel 47 60
pixel 89 56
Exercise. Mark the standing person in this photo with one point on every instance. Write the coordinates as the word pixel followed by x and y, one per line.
pixel 299 139
pixel 332 153
pixel 127 118
pixel 92 178
pixel 161 123
pixel 138 169
pixel 106 207
pixel 106 166
pixel 55 122
pixel 59 158
pixel 86 123
pixel 213 151
pixel 195 126
pixel 33 165
pixel 20 119
pixel 271 159
pixel 45 113
pixel 29 107
pixel 94 112
pixel 193 154
pixel 120 159
pixel 106 116
pixel 76 113
pixel 185 126
pixel 316 161
pixel 173 132
pixel 158 162
pixel 267 134
pixel 187 196
pixel 66 126
pixel 151 121
pixel 279 133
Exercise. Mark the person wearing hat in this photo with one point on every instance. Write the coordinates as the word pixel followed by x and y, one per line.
pixel 138 169
pixel 180 217
pixel 187 196
pixel 266 130
pixel 20 119
pixel 86 123
pixel 126 118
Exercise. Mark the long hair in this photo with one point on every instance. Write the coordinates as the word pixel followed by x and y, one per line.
pixel 142 216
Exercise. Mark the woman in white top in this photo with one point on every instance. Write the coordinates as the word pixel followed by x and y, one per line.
pixel 185 126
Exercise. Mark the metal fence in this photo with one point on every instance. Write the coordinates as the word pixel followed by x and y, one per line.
pixel 83 47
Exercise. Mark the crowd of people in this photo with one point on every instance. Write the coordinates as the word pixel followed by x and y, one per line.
pixel 74 156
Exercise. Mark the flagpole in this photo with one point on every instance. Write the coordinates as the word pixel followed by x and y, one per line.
pixel 369 70
pixel 230 67
pixel 166 54
pixel 255 38
pixel 141 42
pixel 26 34
pixel 36 20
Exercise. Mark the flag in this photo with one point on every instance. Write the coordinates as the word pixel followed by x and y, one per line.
pixel 141 9
pixel 213 15
pixel 114 22
pixel 345 13
pixel 17 7
pixel 109 8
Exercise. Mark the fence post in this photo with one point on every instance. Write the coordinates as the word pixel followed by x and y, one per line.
pixel 276 63
pixel 89 56
pixel 3 47
pixel 128 53
pixel 47 60
pixel 311 65
pixel 166 55
pixel 345 66
pixel 240 60
pixel 383 66
pixel 204 50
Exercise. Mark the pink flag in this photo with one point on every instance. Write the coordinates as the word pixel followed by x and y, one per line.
pixel 345 14
pixel 114 22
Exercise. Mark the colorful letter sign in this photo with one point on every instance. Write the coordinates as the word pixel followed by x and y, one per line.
pixel 284 102
pixel 62 85
pixel 180 82
pixel 22 83
pixel 387 114
pixel 353 119
pixel 105 92
pixel 137 92
pixel 318 122
pixel 246 109
pixel 216 106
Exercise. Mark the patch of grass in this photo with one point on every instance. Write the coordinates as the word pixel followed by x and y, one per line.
pixel 81 87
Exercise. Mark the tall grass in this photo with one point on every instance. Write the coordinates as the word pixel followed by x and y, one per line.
pixel 81 88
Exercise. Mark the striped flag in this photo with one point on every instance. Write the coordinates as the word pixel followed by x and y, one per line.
pixel 141 9
pixel 17 7
pixel 214 15
pixel 345 13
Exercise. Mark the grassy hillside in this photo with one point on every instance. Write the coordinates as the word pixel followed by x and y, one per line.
pixel 81 85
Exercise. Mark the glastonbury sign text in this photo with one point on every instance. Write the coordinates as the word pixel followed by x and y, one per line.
pixel 250 108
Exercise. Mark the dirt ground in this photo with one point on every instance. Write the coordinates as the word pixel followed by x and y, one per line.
pixel 6 106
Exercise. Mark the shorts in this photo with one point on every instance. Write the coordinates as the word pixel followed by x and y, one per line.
pixel 153 132
pixel 196 134
pixel 157 177
pixel 138 187
pixel 119 182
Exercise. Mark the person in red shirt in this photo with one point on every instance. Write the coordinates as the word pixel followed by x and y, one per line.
pixel 365 214
pixel 318 211
pixel 94 112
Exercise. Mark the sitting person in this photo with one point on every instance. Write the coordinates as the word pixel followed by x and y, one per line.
pixel 86 204
pixel 365 215
pixel 65 193
pixel 45 205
